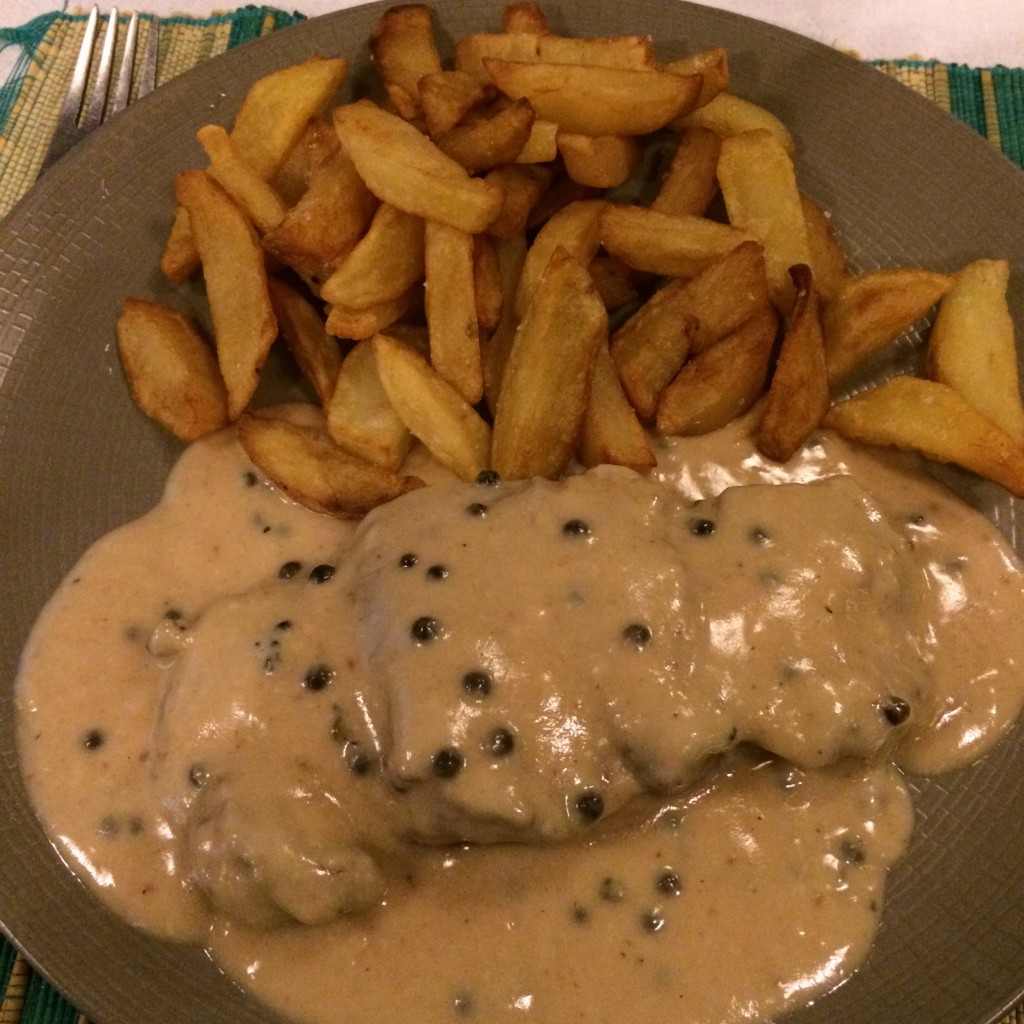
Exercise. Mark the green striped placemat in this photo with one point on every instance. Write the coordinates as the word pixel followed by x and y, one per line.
pixel 990 100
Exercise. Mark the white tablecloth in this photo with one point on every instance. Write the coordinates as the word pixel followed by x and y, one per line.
pixel 978 32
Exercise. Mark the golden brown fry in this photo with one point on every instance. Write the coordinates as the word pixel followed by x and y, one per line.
pixel 490 299
pixel 691 182
pixel 602 162
pixel 636 52
pixel 828 261
pixel 522 186
pixel 451 309
pixel 728 114
pixel 179 260
pixel 575 228
pixel 511 254
pixel 244 325
pixel 403 167
pixel 546 385
pixel 594 99
pixel 870 310
pixel 171 369
pixel 758 183
pixel 931 418
pixel 324 225
pixel 264 207
pixel 432 409
pixel 448 96
pixel 542 145
pixel 798 396
pixel 722 382
pixel 310 468
pixel 713 67
pixel 404 50
pixel 662 243
pixel 360 416
pixel 617 284
pixel 524 17
pixel 972 349
pixel 302 326
pixel 384 264
pixel 611 431
pixel 490 138
pixel 365 322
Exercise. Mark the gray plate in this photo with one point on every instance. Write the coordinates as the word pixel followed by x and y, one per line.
pixel 907 185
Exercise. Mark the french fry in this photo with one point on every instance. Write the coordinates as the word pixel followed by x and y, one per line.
pixel 179 259
pixel 403 167
pixel 511 253
pixel 662 243
pixel 302 326
pixel 360 416
pixel 491 138
pixel 448 96
pixel 602 162
pixel 524 17
pixel 929 417
pixel 575 228
pixel 449 427
pixel 244 325
pixel 332 215
pixel 546 385
pixel 758 183
pixel 451 309
pixel 798 396
pixel 713 67
pixel 542 145
pixel 487 287
pixel 722 382
pixel 971 346
pixel 171 369
pixel 870 310
pixel 404 50
pixel 691 182
pixel 635 52
pixel 522 186
pixel 828 261
pixel 384 264
pixel 617 284
pixel 264 207
pixel 611 432
pixel 728 114
pixel 472 50
pixel 366 321
pixel 595 99
pixel 311 469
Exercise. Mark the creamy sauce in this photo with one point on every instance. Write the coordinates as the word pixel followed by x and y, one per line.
pixel 533 749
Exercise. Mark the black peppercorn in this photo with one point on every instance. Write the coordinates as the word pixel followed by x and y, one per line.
pixel 447 763
pixel 590 805
pixel 321 573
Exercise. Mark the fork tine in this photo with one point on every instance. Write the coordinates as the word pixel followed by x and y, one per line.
pixel 147 71
pixel 123 86
pixel 93 114
pixel 72 105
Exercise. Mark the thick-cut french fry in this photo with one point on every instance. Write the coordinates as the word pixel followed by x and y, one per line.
pixel 327 221
pixel 662 243
pixel 302 326
pixel 244 325
pixel 471 51
pixel 490 298
pixel 522 186
pixel 722 382
pixel 635 52
pixel 542 145
pixel 310 468
pixel 925 416
pixel 611 431
pixel 179 260
pixel 595 99
pixel 728 114
pixel 798 396
pixel 451 309
pixel 691 182
pixel 971 346
pixel 403 48
pixel 828 261
pixel 385 263
pixel 449 427
pixel 617 284
pixel 490 138
pixel 264 207
pixel 758 183
pixel 448 96
pixel 356 324
pixel 872 309
pixel 712 65
pixel 602 162
pixel 511 258
pixel 360 416
pixel 546 385
pixel 171 369
pixel 403 167
pixel 575 228
pixel 524 17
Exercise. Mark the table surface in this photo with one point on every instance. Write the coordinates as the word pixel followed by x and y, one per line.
pixel 982 32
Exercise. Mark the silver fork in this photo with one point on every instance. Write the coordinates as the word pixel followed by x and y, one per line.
pixel 79 116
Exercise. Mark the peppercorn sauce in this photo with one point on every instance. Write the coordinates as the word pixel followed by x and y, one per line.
pixel 522 748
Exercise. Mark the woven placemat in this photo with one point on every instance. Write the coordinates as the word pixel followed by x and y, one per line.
pixel 990 100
